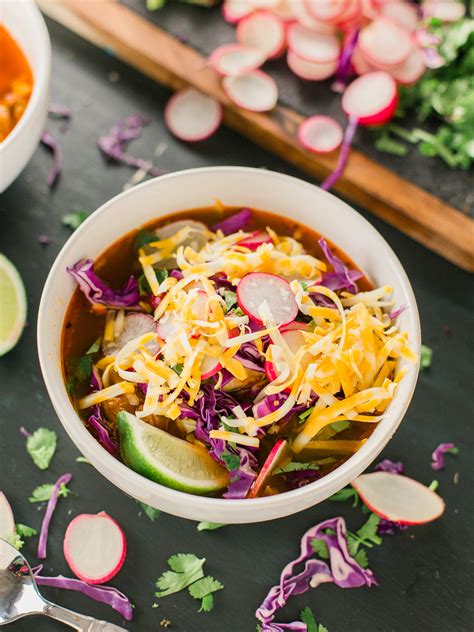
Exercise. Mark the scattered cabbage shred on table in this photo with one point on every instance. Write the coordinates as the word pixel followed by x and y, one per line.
pixel 189 343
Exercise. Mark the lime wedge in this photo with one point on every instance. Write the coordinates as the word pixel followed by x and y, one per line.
pixel 12 305
pixel 168 460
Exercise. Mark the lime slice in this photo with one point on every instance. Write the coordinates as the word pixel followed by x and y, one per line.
pixel 12 305
pixel 168 460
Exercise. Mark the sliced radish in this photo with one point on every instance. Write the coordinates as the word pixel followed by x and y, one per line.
pixel 94 547
pixel 278 454
pixel 284 11
pixel 384 43
pixel 168 326
pixel 209 367
pixel 234 10
pixel 351 16
pixel 263 31
pixel 255 240
pixel 294 339
pixel 234 59
pixel 398 498
pixel 7 521
pixel 403 13
pixel 315 47
pixel 199 307
pixel 135 325
pixel 320 134
pixel 309 70
pixel 360 64
pixel 264 4
pixel 305 18
pixel 255 91
pixel 326 10
pixel 256 288
pixel 445 10
pixel 411 69
pixel 372 98
pixel 295 325
pixel 192 116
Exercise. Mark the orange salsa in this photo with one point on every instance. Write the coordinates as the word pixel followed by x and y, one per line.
pixel 16 83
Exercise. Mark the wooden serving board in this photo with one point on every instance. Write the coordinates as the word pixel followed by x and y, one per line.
pixel 419 214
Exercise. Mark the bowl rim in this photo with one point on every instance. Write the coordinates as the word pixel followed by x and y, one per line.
pixel 80 435
pixel 40 76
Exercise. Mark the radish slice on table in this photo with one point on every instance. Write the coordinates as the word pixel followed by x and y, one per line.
pixel 255 240
pixel 398 498
pixel 234 59
pixel 209 367
pixel 256 288
pixel 7 521
pixel 263 31
pixel 235 10
pixel 255 91
pixel 309 70
pixel 403 13
pixel 278 454
pixel 315 47
pixel 135 325
pixel 360 64
pixel 327 10
pixel 385 44
pixel 372 98
pixel 94 547
pixel 294 339
pixel 305 18
pixel 411 69
pixel 320 134
pixel 192 116
pixel 445 10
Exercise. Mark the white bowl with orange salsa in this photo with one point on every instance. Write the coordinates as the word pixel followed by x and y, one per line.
pixel 235 187
pixel 25 69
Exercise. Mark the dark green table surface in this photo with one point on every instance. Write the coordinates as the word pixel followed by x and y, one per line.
pixel 425 574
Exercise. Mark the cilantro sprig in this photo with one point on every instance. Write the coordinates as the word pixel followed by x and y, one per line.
pixel 41 446
pixel 42 493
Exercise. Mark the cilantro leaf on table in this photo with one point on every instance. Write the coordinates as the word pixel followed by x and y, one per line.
pixel 361 558
pixel 42 493
pixel 21 531
pixel 307 616
pixel 209 526
pixel 41 446
pixel 150 511
pixel 74 219
pixel 426 357
pixel 366 535
pixel 203 589
pixel 348 493
pixel 320 548
pixel 186 568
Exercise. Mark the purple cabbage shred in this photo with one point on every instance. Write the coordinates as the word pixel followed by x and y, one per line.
pixel 343 154
pixel 250 357
pixel 49 141
pixel 393 467
pixel 235 222
pixel 393 315
pixel 98 292
pixel 61 111
pixel 438 460
pixel 342 277
pixel 48 514
pixel 344 65
pixel 100 431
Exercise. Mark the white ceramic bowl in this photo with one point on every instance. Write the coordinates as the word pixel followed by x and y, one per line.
pixel 236 186
pixel 26 25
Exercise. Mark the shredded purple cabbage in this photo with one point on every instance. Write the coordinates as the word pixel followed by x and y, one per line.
pixel 299 478
pixel 49 141
pixel 393 467
pixel 26 433
pixel 341 570
pixel 44 240
pixel 48 514
pixel 342 276
pixel 104 594
pixel 242 478
pixel 438 462
pixel 393 315
pixel 343 154
pixel 61 111
pixel 235 222
pixel 97 291
pixel 114 144
pixel 344 65
pixel 270 403
pixel 388 527
pixel 100 431
pixel 250 357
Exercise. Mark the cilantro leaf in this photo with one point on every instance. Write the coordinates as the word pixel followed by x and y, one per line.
pixel 207 603
pixel 143 285
pixel 41 446
pixel 348 493
pixel 230 299
pixel 142 238
pixel 150 511
pixel 389 145
pixel 426 357
pixel 203 589
pixel 307 616
pixel 367 534
pixel 74 219
pixel 161 275
pixel 186 569
pixel 15 540
pixel 178 368
pixel 209 526
pixel 322 628
pixel 320 548
pixel 232 461
pixel 153 5
pixel 296 466
pixel 95 346
pixel 25 531
pixel 42 493
pixel 82 459
pixel 361 558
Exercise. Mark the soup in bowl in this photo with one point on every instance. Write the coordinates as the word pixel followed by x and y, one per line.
pixel 227 362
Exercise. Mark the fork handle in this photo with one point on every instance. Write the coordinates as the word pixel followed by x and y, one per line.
pixel 79 622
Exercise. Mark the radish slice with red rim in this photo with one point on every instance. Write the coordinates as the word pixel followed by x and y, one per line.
pixel 234 59
pixel 192 116
pixel 255 240
pixel 7 521
pixel 403 13
pixel 256 288
pixel 235 10
pixel 360 64
pixel 135 325
pixel 263 31
pixel 94 547
pixel 209 367
pixel 167 327
pixel 326 10
pixel 444 10
pixel 255 91
pixel 371 98
pixel 398 498
pixel 320 134
pixel 385 44
pixel 278 454
pixel 315 47
pixel 294 339
pixel 309 70
pixel 411 69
